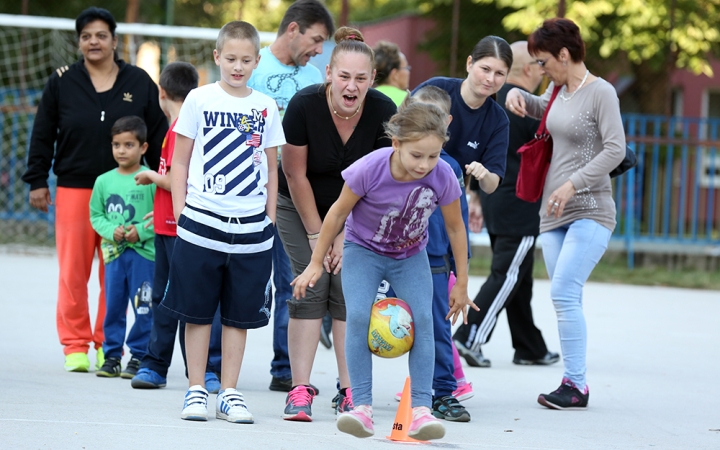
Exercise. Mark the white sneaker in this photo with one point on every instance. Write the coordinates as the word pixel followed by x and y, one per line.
pixel 195 406
pixel 230 406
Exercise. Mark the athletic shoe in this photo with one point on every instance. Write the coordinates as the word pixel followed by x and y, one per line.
pixel 212 382
pixel 549 358
pixel 195 406
pixel 567 396
pixel 109 369
pixel 357 422
pixel 336 400
pixel 285 385
pixel 148 379
pixel 77 362
pixel 230 405
pixel 449 408
pixel 298 405
pixel 281 384
pixel 463 392
pixel 345 402
pixel 131 369
pixel 474 359
pixel 99 358
pixel 425 426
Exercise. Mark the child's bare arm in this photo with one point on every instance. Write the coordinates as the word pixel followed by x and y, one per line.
pixel 272 183
pixel 150 176
pixel 179 174
pixel 459 300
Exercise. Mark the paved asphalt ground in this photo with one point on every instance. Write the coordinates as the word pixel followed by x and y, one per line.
pixel 652 368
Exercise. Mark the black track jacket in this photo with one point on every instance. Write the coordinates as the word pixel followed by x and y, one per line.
pixel 71 114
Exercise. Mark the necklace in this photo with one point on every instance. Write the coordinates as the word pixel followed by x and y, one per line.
pixel 567 99
pixel 104 83
pixel 336 113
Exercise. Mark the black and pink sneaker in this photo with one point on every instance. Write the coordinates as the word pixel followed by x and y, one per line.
pixel 567 396
pixel 298 405
pixel 344 403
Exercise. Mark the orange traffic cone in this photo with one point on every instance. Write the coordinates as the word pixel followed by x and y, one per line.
pixel 403 418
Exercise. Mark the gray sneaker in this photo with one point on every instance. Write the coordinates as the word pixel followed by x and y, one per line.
pixel 474 359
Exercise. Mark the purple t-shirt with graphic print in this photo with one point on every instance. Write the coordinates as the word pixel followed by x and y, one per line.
pixel 391 217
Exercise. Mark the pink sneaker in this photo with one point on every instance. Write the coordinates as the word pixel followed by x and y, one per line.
pixel 463 392
pixel 425 426
pixel 357 422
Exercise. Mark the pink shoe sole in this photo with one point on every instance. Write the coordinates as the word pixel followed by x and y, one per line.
pixel 299 417
pixel 464 393
pixel 461 394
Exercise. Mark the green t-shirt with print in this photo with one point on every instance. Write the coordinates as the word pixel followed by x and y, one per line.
pixel 116 200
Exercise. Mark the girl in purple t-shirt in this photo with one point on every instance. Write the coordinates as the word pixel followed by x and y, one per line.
pixel 387 200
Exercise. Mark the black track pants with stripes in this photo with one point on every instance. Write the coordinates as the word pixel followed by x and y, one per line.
pixel 509 286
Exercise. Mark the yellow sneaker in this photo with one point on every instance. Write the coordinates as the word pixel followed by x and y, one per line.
pixel 77 362
pixel 99 358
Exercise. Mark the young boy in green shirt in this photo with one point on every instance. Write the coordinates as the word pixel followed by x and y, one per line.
pixel 117 208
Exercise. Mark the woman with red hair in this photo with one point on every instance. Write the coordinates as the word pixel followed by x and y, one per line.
pixel 579 215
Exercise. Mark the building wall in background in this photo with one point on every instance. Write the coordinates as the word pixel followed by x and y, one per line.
pixel 407 32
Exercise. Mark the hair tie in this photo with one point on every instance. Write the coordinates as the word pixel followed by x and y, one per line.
pixel 352 36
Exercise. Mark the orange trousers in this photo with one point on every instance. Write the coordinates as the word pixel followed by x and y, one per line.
pixel 77 243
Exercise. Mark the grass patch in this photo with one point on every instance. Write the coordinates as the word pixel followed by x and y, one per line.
pixel 613 269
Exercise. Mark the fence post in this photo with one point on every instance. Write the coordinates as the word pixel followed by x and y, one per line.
pixel 629 204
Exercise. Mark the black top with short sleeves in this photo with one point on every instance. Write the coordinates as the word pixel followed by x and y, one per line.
pixel 308 121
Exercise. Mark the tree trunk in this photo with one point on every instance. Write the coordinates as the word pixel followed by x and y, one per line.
pixel 344 13
pixel 131 15
pixel 561 8
pixel 131 11
pixel 651 86
pixel 454 30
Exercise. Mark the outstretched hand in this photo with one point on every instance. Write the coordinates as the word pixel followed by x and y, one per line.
pixel 459 303
pixel 306 279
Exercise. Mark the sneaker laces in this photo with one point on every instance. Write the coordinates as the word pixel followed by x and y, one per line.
pixel 300 396
pixel 347 404
pixel 365 410
pixel 421 411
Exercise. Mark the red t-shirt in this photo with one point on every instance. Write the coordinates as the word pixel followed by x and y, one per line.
pixel 164 217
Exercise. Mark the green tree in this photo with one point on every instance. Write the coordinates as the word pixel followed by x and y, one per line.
pixel 655 36
pixel 475 22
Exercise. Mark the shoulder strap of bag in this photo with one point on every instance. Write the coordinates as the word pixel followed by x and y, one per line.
pixel 542 131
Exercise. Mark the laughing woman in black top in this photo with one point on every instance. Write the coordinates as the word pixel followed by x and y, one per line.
pixel 79 105
pixel 327 127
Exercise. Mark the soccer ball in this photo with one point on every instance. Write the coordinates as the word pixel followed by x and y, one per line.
pixel 392 330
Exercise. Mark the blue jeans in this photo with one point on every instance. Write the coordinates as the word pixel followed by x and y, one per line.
pixel 282 277
pixel 444 382
pixel 571 252
pixel 362 272
pixel 123 277
pixel 164 327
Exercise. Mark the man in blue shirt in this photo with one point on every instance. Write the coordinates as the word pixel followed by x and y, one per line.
pixel 283 70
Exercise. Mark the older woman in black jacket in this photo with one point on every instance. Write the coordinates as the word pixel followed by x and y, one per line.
pixel 71 133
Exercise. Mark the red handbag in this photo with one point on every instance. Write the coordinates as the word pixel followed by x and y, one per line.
pixel 535 159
